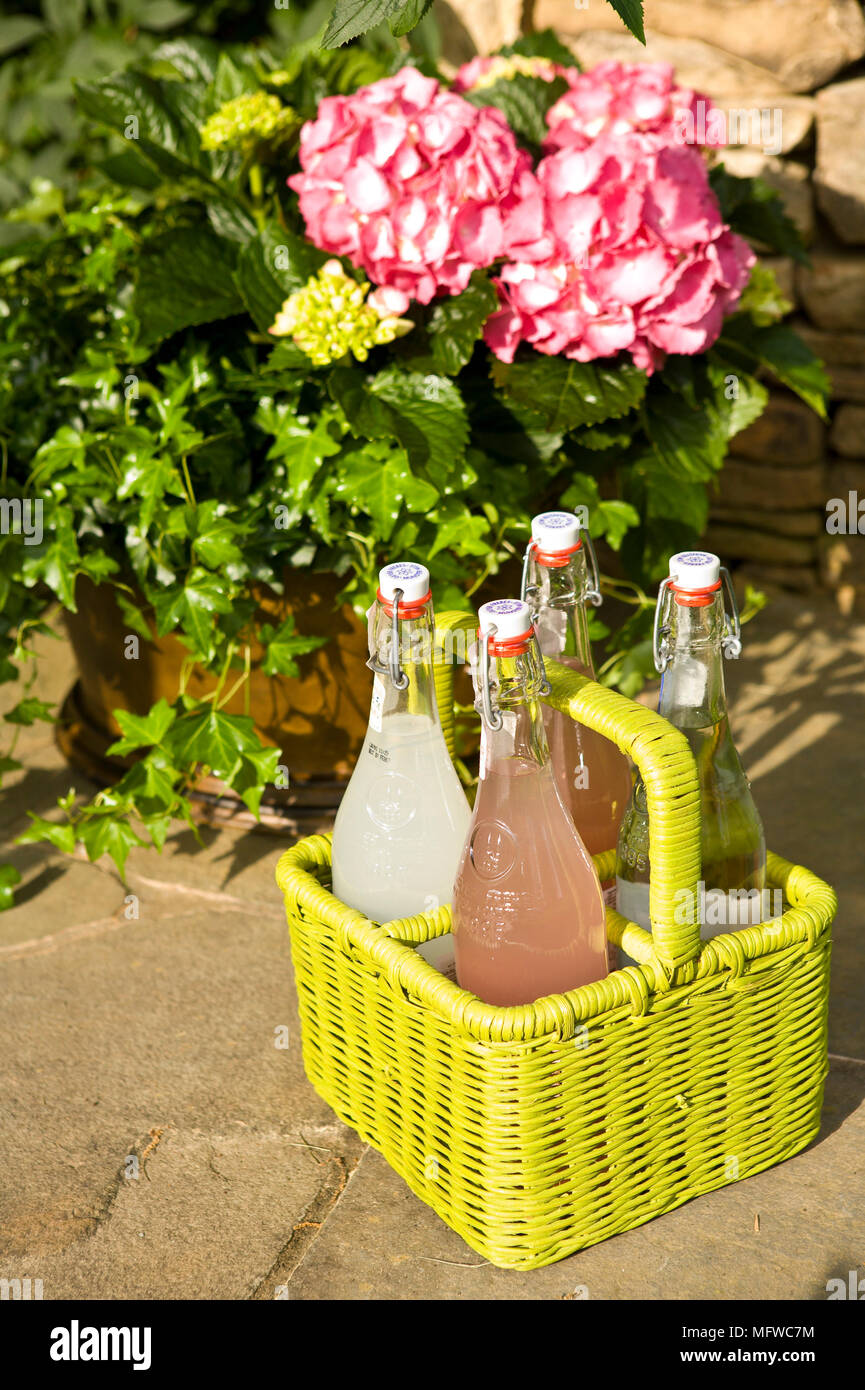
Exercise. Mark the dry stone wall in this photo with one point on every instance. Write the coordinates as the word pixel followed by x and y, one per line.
pixel 791 76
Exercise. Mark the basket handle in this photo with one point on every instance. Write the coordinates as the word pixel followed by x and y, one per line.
pixel 666 765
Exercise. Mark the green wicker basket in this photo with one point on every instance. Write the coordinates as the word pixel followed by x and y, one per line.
pixel 538 1130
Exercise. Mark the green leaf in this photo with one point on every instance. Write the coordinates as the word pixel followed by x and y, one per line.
pixel 351 18
pixel 523 100
pixel 9 877
pixel 283 644
pixel 762 298
pixel 689 440
pixel 153 115
pixel 162 14
pixel 108 832
pixel 377 479
pixel 304 450
pixel 256 771
pixel 213 739
pixel 270 268
pixel 569 394
pixel 142 731
pixel 780 349
pixel 429 417
pixel 756 210
pixel 16 30
pixel 61 836
pixel 457 322
pixel 631 11
pixel 545 43
pixel 28 711
pixel 8 764
pixel 149 479
pixel 185 278
pixel 190 606
pixel 411 14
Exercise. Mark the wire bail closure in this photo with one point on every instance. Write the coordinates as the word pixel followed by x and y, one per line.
pixel 731 641
pixel 592 594
pixel 394 669
pixel 491 716
pixel 660 649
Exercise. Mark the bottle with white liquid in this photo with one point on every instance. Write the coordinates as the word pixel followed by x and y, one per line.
pixel 403 820
pixel 692 634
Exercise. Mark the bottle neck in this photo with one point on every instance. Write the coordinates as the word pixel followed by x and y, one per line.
pixel 557 595
pixel 515 689
pixel 415 637
pixel 692 687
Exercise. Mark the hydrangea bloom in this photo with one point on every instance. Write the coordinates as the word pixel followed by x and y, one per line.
pixel 412 183
pixel 616 98
pixel 245 119
pixel 638 257
pixel 484 72
pixel 332 316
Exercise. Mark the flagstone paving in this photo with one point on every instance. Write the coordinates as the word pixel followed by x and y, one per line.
pixel 158 1138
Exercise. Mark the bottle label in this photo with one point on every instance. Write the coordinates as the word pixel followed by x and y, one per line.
pixel 376 709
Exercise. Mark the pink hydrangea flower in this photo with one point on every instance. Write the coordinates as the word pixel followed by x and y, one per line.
pixel 629 253
pixel 616 98
pixel 414 184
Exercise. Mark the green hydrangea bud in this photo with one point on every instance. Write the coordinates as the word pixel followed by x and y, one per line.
pixel 504 68
pixel 330 317
pixel 245 119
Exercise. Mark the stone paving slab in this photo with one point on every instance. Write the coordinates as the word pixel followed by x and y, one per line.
pixel 153 1038
pixel 779 1235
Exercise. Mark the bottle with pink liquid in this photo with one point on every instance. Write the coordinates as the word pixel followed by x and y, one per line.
pixel 528 915
pixel 593 777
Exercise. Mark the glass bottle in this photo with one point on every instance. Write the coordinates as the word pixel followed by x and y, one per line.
pixel 692 632
pixel 528 915
pixel 593 777
pixel 403 819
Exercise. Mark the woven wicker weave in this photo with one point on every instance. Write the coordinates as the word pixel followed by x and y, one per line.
pixel 538 1130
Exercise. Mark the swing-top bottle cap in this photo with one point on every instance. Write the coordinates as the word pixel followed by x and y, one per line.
pixel 695 570
pixel 510 616
pixel 556 532
pixel 411 578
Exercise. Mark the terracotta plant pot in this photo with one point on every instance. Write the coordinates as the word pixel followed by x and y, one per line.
pixel 318 720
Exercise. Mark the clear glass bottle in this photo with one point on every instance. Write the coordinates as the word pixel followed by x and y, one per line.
pixel 593 777
pixel 402 822
pixel 528 915
pixel 692 633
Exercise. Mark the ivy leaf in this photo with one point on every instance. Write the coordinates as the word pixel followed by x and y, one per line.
pixel 149 478
pixel 28 711
pixel 213 739
pixel 378 479
pixel 257 770
pixel 457 530
pixel 9 877
pixel 282 645
pixel 304 450
pixel 524 102
pixel 190 606
pixel 457 323
pixel 60 835
pixel 185 278
pixel 569 394
pixel 142 731
pixel 108 832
